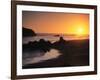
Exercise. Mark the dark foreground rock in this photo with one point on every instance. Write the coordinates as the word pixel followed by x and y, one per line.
pixel 40 45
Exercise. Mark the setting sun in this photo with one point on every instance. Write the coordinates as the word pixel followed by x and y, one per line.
pixel 80 31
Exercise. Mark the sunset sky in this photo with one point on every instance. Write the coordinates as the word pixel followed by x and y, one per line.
pixel 52 22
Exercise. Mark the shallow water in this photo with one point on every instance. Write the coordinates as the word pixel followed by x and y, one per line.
pixel 38 56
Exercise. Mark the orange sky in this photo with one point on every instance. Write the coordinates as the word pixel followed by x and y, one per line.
pixel 52 22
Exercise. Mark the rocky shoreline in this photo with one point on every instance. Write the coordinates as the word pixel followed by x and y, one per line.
pixel 74 53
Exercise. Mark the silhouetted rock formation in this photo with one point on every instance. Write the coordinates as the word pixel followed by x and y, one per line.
pixel 28 32
pixel 41 45
pixel 65 47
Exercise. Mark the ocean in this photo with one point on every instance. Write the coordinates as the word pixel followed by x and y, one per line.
pixel 52 38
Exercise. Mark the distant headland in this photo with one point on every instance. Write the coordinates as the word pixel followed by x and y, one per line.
pixel 28 32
